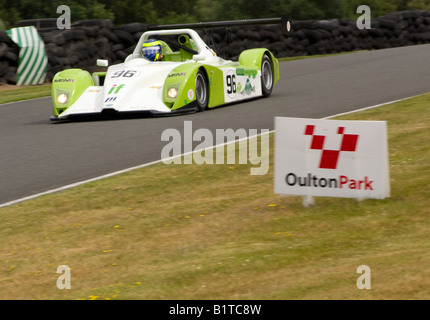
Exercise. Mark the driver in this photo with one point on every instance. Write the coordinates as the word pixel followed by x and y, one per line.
pixel 152 50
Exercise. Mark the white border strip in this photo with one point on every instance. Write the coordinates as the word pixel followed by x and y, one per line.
pixel 27 100
pixel 372 107
pixel 73 185
pixel 127 170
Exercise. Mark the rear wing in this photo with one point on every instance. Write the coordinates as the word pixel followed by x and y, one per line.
pixel 223 48
pixel 283 21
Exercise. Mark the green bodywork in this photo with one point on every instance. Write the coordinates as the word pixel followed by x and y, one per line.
pixel 183 78
pixel 72 82
pixel 253 58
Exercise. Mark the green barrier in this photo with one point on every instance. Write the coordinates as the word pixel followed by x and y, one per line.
pixel 33 61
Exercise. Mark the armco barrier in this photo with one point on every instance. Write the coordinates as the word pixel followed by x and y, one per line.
pixel 88 40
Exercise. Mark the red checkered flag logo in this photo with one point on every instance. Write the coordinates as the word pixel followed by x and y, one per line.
pixel 330 158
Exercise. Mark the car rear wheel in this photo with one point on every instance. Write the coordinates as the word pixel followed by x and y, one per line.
pixel 266 76
pixel 202 92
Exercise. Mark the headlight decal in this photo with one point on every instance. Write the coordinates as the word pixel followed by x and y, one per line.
pixel 172 93
pixel 62 98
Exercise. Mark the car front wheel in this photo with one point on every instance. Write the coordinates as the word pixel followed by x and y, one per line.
pixel 202 92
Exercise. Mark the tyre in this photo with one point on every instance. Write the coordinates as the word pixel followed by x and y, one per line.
pixel 4 38
pixel 4 65
pixel 133 27
pixel 202 92
pixel 109 35
pixel 11 77
pixel 125 38
pixel 3 49
pixel 117 47
pixel 58 39
pixel 266 76
pixel 11 56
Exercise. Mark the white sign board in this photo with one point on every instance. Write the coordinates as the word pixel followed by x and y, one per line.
pixel 331 158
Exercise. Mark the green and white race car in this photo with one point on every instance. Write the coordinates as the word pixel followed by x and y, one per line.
pixel 169 71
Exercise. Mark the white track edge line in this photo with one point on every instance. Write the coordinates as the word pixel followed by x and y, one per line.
pixel 26 100
pixel 9 203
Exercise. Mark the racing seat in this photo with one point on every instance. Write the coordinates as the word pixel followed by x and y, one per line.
pixel 181 55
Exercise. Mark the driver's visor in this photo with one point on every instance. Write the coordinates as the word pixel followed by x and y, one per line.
pixel 150 50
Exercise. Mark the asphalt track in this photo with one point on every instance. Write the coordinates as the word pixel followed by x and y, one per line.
pixel 37 155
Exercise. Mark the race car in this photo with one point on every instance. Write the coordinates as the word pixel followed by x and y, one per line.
pixel 170 71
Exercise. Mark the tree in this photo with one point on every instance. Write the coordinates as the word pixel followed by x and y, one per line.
pixel 418 5
pixel 183 11
pixel 8 14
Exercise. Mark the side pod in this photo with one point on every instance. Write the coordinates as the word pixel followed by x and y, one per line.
pixel 67 87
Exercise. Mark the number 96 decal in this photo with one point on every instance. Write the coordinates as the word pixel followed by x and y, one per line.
pixel 124 74
pixel 230 83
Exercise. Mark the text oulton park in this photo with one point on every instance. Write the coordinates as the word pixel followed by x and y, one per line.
pixel 341 182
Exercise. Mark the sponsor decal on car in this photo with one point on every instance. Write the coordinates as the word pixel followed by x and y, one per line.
pixel 64 80
pixel 191 94
pixel 116 88
pixel 246 72
pixel 177 74
pixel 110 99
pixel 124 74
pixel 240 84
pixel 249 88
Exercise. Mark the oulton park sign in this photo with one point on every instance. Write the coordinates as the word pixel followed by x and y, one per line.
pixel 331 158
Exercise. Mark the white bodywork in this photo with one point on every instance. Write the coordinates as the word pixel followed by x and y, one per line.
pixel 137 84
pixel 142 90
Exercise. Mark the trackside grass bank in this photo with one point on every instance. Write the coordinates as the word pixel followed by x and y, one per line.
pixel 216 232
pixel 11 93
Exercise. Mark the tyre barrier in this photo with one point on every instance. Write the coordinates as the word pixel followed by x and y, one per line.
pixel 89 40
pixel 9 52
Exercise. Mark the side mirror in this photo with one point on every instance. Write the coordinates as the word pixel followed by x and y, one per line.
pixel 102 63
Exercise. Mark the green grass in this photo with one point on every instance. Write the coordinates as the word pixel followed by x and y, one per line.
pixel 19 93
pixel 216 232
pixel 317 56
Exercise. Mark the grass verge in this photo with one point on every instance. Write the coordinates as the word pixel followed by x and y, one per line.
pixel 317 56
pixel 216 232
pixel 18 93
